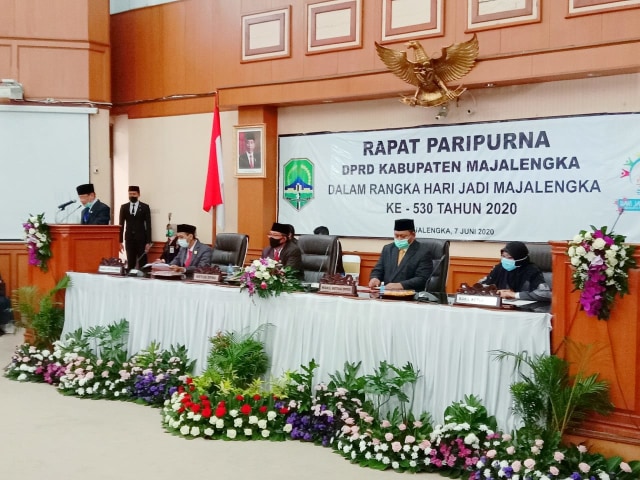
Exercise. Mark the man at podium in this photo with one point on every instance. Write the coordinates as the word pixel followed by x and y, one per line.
pixel 94 212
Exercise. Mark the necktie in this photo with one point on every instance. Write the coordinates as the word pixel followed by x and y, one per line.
pixel 133 209
pixel 276 255
pixel 85 215
pixel 401 255
pixel 187 262
pixel 250 160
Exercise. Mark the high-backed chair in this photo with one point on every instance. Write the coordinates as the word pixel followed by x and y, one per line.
pixel 319 255
pixel 540 254
pixel 230 248
pixel 439 250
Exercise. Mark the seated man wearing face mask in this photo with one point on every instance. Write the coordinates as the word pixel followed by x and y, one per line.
pixel 405 264
pixel 283 249
pixel 193 253
pixel 516 277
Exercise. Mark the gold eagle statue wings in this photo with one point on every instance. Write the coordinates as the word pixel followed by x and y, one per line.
pixel 431 75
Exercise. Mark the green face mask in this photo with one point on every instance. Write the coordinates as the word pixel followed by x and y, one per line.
pixel 169 233
pixel 401 244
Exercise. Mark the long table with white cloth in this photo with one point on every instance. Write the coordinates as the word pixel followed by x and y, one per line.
pixel 451 346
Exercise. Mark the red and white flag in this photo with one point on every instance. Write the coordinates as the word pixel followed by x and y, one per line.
pixel 214 185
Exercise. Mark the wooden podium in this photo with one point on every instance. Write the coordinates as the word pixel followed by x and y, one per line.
pixel 616 356
pixel 76 248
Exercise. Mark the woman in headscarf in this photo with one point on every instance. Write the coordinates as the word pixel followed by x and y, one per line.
pixel 516 277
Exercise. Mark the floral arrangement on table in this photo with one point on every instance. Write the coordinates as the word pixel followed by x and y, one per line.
pixel 351 414
pixel 38 239
pixel 267 277
pixel 602 264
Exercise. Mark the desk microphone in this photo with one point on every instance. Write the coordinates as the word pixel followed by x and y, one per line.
pixel 64 205
pixel 135 272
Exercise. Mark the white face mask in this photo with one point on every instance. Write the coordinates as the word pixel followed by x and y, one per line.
pixel 183 242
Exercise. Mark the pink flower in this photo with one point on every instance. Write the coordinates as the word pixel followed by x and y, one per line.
pixel 388 436
pixel 516 466
pixel 368 419
pixel 624 466
pixel 584 468
pixel 511 450
pixel 376 441
pixel 263 285
pixel 558 456
pixel 539 443
pixel 529 463
pixel 385 424
pixel 535 450
pixel 554 471
pixel 582 449
pixel 410 439
pixel 424 444
pixel 402 427
pixel 417 424
pixel 491 453
pixel 396 446
pixel 506 437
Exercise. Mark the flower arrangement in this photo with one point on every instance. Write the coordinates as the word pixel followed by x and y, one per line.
pixel 38 239
pixel 267 277
pixel 341 415
pixel 602 263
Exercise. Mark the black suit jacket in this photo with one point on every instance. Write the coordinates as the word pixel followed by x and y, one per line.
pixel 290 256
pixel 138 226
pixel 414 270
pixel 99 214
pixel 201 256
pixel 243 161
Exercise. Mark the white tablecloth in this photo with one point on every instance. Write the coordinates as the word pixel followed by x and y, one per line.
pixel 449 345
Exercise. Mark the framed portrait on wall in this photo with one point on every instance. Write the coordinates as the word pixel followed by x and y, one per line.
pixel 250 150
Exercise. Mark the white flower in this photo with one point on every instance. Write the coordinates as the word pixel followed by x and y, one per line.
pixel 195 431
pixel 287 428
pixel 237 422
pixel 231 433
pixel 184 430
pixel 262 424
pixel 395 465
pixel 271 415
pixel 220 424
pixel 599 243
pixel 208 432
pixel 233 413
pixel 248 432
pixel 266 433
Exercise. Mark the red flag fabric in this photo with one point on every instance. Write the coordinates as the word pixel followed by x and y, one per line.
pixel 213 187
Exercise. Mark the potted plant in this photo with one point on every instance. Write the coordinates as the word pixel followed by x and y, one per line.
pixel 40 314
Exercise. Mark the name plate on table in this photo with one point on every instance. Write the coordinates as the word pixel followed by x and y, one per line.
pixel 111 269
pixel 338 285
pixel 338 289
pixel 493 301
pixel 207 277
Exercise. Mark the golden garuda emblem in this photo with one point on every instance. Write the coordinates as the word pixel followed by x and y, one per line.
pixel 431 75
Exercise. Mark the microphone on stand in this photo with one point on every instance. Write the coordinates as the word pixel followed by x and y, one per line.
pixel 64 205
pixel 136 272
pixel 63 219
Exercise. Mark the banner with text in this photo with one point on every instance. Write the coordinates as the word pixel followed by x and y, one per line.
pixel 531 180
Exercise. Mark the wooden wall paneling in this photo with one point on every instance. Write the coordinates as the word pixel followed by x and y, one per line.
pixel 175 66
pixel 62 19
pixel 14 261
pixel 616 356
pixel 8 67
pixel 98 21
pixel 467 270
pixel 257 197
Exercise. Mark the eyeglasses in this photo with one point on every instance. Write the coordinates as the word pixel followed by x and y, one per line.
pixel 276 235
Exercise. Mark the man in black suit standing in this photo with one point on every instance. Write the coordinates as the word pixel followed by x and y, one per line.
pixel 94 212
pixel 137 232
pixel 250 159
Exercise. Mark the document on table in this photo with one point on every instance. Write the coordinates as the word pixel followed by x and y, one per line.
pixel 518 303
pixel 157 266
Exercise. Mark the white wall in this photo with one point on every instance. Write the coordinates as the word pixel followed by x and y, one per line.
pixel 168 158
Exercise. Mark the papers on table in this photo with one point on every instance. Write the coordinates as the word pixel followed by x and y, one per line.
pixel 517 303
pixel 159 266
